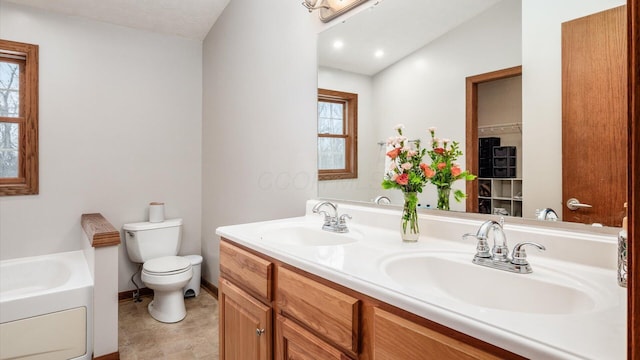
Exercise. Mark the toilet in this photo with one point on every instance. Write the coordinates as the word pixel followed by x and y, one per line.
pixel 155 245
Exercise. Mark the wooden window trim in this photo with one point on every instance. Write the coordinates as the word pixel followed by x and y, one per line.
pixel 27 181
pixel 351 134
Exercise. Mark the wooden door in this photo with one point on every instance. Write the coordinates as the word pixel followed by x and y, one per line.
pixel 594 117
pixel 245 325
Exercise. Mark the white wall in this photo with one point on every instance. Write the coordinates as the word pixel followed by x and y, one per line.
pixel 427 88
pixel 120 122
pixel 542 96
pixel 370 155
pixel 259 118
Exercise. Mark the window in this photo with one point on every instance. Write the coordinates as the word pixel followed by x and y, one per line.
pixel 337 135
pixel 18 118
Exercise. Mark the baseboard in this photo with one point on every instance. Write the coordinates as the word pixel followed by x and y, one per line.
pixel 212 289
pixel 112 356
pixel 145 291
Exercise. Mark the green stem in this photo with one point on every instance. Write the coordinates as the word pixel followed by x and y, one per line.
pixel 443 197
pixel 410 229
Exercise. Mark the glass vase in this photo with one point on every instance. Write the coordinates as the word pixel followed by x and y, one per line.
pixel 409 229
pixel 443 197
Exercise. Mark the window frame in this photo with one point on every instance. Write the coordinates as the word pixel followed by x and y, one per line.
pixel 350 118
pixel 26 183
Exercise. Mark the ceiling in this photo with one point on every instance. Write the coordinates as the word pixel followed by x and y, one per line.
pixel 398 27
pixel 186 18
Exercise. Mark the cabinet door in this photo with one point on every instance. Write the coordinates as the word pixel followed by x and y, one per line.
pixel 245 325
pixel 396 338
pixel 294 342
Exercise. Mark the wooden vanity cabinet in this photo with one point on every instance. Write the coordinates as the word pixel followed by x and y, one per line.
pixel 246 315
pixel 396 338
pixel 272 310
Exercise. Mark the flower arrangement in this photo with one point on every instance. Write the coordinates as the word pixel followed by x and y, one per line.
pixel 444 170
pixel 407 169
pixel 407 173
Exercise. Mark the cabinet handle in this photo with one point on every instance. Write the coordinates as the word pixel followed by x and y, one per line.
pixel 259 332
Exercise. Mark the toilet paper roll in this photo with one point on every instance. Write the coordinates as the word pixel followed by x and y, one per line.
pixel 156 212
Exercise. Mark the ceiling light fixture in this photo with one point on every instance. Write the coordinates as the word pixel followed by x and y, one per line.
pixel 330 9
pixel 379 53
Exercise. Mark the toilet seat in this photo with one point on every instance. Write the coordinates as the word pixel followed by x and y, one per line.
pixel 166 265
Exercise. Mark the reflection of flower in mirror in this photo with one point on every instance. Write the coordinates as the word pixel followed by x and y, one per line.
pixel 444 169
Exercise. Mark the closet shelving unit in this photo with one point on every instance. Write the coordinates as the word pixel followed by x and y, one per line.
pixel 505 193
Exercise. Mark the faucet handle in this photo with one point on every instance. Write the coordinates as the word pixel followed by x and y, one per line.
pixel 519 256
pixel 342 219
pixel 327 217
pixel 482 247
pixel 341 225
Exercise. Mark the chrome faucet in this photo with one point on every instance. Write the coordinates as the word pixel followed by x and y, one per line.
pixel 333 223
pixel 381 199
pixel 500 250
pixel 546 214
pixel 498 257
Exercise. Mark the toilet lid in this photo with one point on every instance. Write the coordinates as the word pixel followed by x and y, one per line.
pixel 166 265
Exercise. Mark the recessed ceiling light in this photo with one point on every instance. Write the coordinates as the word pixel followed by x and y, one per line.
pixel 338 44
pixel 379 53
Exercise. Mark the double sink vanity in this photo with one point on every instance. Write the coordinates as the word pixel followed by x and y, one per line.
pixel 289 289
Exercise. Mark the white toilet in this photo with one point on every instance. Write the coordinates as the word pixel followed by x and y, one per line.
pixel 156 246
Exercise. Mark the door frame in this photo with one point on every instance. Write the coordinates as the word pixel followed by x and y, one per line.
pixel 633 293
pixel 472 126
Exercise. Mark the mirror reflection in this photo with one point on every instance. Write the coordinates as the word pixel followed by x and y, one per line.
pixel 409 61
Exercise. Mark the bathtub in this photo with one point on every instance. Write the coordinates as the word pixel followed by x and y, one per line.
pixel 46 307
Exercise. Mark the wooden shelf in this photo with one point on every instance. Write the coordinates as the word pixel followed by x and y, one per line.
pixel 503 193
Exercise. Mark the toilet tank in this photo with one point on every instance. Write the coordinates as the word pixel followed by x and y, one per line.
pixel 147 240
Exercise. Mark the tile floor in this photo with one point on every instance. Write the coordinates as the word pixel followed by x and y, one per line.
pixel 141 337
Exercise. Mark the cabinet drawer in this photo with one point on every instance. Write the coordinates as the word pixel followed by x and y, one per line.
pixel 326 311
pixel 396 338
pixel 294 342
pixel 247 269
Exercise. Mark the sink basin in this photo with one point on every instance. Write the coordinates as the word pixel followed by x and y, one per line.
pixel 454 276
pixel 307 235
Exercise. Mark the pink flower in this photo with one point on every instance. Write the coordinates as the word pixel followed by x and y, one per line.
pixel 455 170
pixel 442 166
pixel 439 151
pixel 403 179
pixel 394 153
pixel 406 165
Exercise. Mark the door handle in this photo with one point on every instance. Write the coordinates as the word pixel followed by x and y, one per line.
pixel 574 204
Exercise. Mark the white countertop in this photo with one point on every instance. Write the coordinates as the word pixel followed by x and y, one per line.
pixel 596 333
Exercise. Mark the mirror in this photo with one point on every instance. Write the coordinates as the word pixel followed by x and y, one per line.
pixel 430 48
